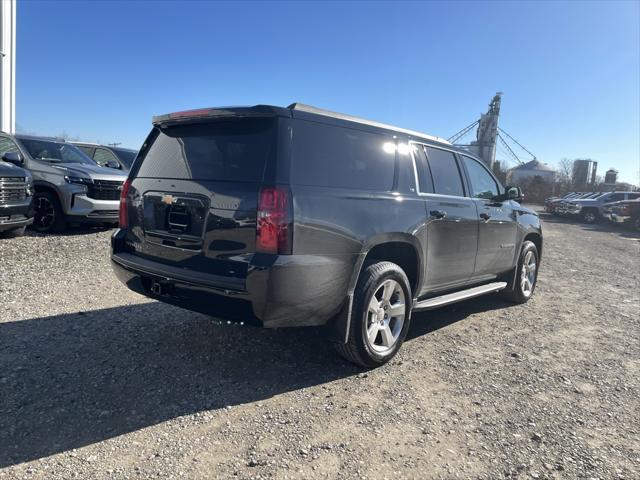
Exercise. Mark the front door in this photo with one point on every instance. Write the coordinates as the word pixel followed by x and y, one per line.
pixel 497 227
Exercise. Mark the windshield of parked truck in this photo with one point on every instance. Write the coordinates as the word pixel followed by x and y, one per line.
pixel 55 152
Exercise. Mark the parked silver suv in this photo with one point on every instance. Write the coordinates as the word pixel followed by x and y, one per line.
pixel 70 187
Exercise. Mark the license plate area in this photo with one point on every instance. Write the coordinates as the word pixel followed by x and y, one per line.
pixel 175 220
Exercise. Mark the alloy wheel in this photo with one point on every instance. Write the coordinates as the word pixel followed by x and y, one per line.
pixel 385 317
pixel 528 274
pixel 45 213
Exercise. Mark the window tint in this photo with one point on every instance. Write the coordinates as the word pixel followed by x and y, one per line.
pixel 616 197
pixel 422 167
pixel 633 196
pixel 482 183
pixel 7 146
pixel 325 155
pixel 102 156
pixel 444 171
pixel 231 151
pixel 406 175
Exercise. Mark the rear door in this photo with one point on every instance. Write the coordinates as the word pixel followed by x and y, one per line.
pixel 452 222
pixel 497 227
pixel 196 193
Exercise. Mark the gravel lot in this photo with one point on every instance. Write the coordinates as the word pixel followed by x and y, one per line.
pixel 98 382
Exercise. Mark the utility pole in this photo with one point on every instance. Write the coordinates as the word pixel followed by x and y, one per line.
pixel 8 66
pixel 485 144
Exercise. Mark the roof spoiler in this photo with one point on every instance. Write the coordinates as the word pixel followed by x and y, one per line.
pixel 189 116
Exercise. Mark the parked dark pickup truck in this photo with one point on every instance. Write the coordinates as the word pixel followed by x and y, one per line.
pixel 298 216
pixel 16 195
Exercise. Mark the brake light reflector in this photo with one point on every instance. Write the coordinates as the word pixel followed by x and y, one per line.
pixel 123 218
pixel 273 228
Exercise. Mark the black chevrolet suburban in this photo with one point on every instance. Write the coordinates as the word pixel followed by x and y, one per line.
pixel 299 216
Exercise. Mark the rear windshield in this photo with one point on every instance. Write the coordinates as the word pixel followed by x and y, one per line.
pixel 228 151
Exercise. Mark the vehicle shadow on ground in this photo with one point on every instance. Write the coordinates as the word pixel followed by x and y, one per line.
pixel 71 231
pixel 71 380
pixel 601 226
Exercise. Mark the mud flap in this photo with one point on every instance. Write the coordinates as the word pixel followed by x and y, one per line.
pixel 338 329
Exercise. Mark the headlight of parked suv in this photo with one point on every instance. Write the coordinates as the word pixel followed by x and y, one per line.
pixel 78 180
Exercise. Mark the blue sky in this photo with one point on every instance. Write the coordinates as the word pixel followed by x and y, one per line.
pixel 570 71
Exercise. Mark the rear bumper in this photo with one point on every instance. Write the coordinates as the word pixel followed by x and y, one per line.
pixel 16 215
pixel 278 291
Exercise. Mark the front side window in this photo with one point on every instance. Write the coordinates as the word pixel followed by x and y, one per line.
pixel 102 156
pixel 55 152
pixel 126 156
pixel 616 197
pixel 482 183
pixel 445 173
pixel 7 146
pixel 87 150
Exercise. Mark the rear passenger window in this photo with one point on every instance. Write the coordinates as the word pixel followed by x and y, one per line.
pixel 324 155
pixel 422 167
pixel 445 173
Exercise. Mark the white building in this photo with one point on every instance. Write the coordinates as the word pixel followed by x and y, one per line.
pixel 534 168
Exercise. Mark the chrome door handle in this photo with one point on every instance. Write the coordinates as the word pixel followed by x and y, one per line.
pixel 438 213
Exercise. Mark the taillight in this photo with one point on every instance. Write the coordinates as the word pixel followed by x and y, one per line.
pixel 123 218
pixel 273 229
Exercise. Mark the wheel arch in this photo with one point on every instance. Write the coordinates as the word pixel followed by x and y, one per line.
pixel 402 249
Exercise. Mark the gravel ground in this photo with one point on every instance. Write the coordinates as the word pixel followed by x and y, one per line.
pixel 98 382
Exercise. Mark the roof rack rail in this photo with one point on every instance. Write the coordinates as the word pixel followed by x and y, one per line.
pixel 342 116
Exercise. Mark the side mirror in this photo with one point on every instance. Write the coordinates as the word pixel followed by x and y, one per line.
pixel 13 157
pixel 514 193
pixel 112 164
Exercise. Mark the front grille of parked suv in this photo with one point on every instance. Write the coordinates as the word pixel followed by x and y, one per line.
pixel 12 189
pixel 105 190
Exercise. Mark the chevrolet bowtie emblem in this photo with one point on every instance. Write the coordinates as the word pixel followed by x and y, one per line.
pixel 168 199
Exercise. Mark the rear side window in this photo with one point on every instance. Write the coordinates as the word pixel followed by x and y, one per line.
pixel 422 167
pixel 324 155
pixel 227 151
pixel 445 173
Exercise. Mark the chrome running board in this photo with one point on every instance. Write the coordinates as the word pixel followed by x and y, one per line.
pixel 458 296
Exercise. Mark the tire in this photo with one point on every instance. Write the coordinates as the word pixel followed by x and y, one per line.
pixel 375 335
pixel 590 216
pixel 636 224
pixel 520 293
pixel 48 216
pixel 14 232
